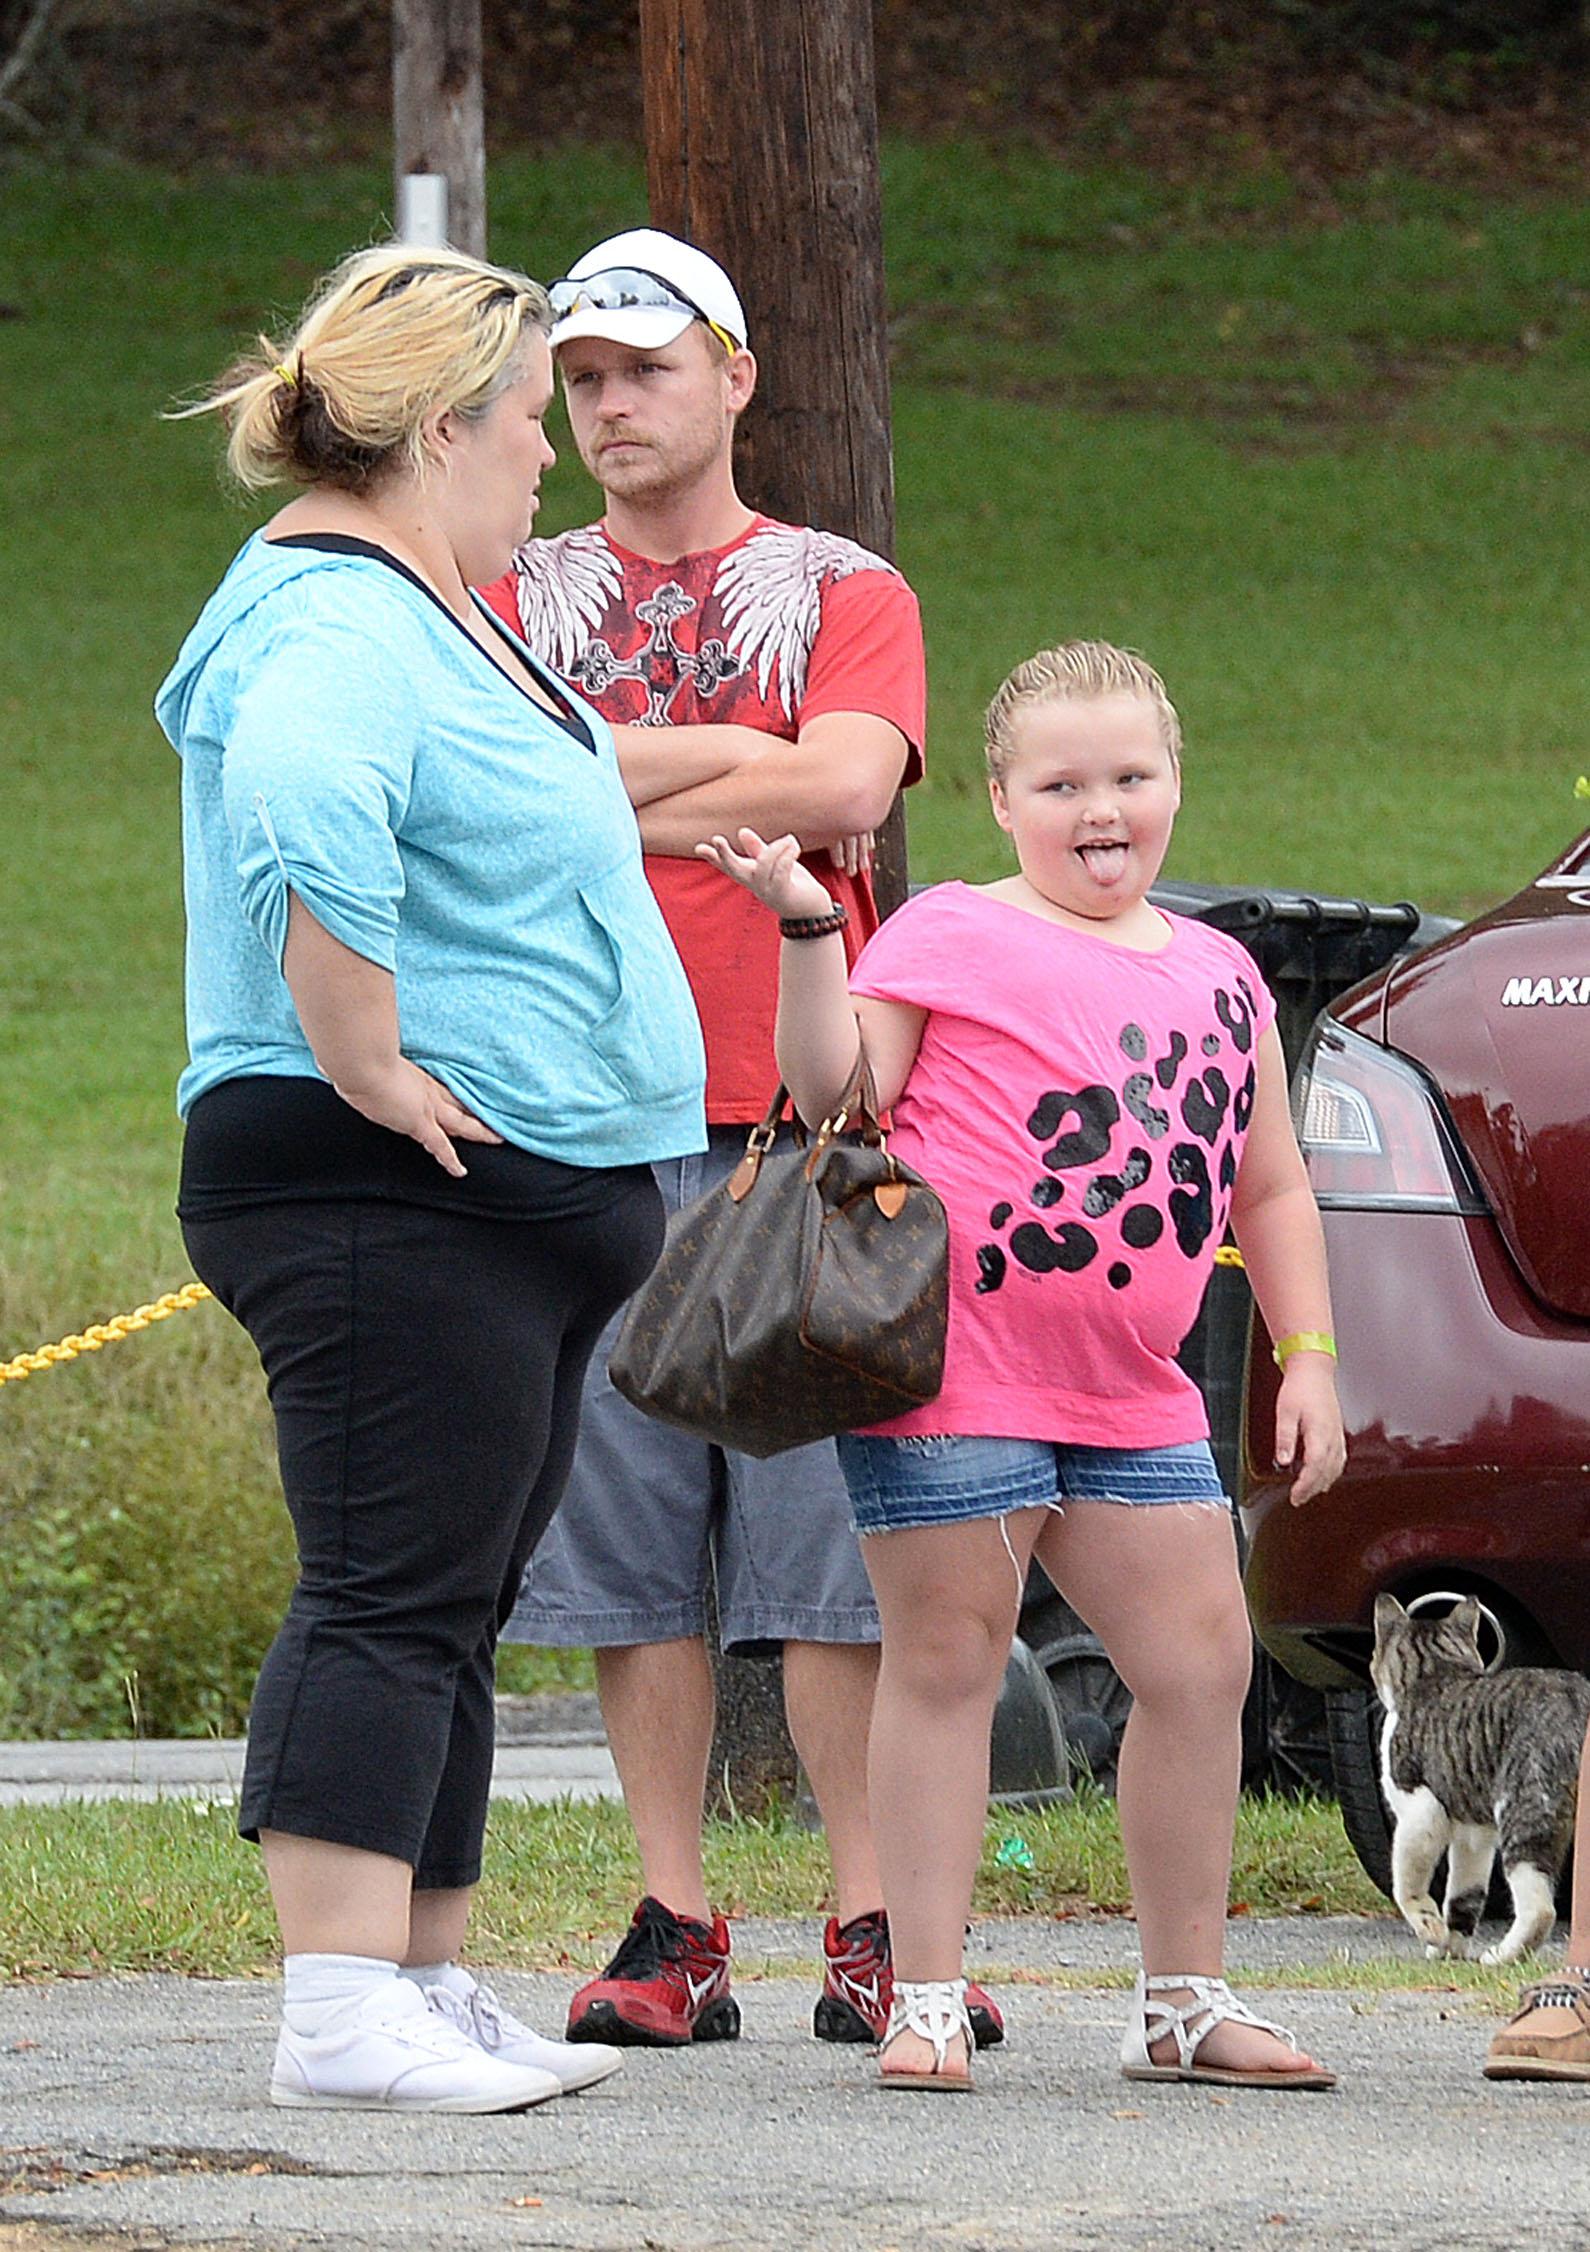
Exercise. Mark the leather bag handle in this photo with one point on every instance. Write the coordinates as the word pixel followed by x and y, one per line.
pixel 857 1106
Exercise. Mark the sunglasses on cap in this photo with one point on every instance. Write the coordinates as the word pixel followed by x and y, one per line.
pixel 625 289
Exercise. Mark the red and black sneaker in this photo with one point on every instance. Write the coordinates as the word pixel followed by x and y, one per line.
pixel 859 1986
pixel 988 2026
pixel 667 1985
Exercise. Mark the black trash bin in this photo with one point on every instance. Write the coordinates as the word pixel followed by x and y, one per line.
pixel 1309 948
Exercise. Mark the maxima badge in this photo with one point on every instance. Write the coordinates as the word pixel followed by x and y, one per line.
pixel 1545 992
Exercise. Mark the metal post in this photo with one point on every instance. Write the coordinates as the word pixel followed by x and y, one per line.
pixel 422 210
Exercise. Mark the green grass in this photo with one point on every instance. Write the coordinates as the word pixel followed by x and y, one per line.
pixel 521 1671
pixel 1325 467
pixel 170 1886
pixel 91 1889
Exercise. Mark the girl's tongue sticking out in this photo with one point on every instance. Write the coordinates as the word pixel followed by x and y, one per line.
pixel 1105 859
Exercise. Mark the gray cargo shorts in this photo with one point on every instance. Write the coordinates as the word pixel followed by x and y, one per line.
pixel 650 1513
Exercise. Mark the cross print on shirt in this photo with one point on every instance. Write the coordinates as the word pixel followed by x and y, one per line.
pixel 706 668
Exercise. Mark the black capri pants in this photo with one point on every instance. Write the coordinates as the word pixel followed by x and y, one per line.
pixel 424 1367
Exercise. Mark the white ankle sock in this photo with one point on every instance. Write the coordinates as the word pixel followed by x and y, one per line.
pixel 451 1975
pixel 315 1987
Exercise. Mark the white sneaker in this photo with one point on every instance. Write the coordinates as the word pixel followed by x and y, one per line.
pixel 480 2015
pixel 390 2051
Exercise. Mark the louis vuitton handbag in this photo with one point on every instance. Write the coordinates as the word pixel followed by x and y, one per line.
pixel 806 1294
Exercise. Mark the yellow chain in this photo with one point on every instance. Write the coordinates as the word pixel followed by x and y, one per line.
pixel 103 1333
pixel 192 1294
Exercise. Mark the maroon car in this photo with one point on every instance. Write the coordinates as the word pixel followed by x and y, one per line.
pixel 1443 1106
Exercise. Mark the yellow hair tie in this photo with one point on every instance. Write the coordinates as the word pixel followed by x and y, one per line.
pixel 285 375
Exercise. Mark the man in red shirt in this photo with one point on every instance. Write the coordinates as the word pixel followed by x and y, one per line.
pixel 753 672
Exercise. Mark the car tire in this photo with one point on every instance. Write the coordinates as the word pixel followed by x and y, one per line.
pixel 1030 1758
pixel 1286 1721
pixel 1090 1697
pixel 1093 1703
pixel 1284 1746
pixel 1353 1722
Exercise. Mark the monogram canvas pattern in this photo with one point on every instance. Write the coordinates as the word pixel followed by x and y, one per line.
pixel 796 1313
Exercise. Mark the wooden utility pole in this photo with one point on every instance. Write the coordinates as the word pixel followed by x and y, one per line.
pixel 762 147
pixel 437 112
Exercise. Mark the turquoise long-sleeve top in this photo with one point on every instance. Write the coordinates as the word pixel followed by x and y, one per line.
pixel 343 737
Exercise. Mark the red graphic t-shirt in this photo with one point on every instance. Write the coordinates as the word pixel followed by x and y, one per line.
pixel 778 627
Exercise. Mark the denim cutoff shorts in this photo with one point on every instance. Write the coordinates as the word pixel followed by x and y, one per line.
pixel 898 1484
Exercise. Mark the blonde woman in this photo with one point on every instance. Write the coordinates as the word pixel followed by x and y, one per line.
pixel 437 1032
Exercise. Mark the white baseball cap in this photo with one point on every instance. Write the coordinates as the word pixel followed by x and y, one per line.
pixel 644 288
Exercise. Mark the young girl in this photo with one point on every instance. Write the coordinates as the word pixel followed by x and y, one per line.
pixel 1094 1088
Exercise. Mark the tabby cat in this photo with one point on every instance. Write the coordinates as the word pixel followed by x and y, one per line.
pixel 1470 1760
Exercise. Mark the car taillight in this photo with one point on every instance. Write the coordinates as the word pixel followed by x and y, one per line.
pixel 1373 1133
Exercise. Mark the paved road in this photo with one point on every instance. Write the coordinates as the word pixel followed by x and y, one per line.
pixel 136 2105
pixel 183 1768
pixel 132 2110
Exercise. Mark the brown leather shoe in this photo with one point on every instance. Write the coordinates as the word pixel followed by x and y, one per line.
pixel 1548 2035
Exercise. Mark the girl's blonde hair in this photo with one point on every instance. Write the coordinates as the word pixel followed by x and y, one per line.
pixel 1067 673
pixel 389 337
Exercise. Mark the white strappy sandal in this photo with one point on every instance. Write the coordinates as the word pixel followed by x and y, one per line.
pixel 1190 2023
pixel 934 2009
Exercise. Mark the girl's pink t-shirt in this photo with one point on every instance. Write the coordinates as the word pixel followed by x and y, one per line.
pixel 1081 1110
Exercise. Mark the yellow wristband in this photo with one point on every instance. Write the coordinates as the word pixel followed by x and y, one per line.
pixel 1303 1341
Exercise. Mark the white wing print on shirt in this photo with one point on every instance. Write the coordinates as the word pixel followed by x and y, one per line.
pixel 770 593
pixel 565 588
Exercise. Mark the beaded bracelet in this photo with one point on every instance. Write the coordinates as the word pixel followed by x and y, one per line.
pixel 814 926
pixel 1303 1341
